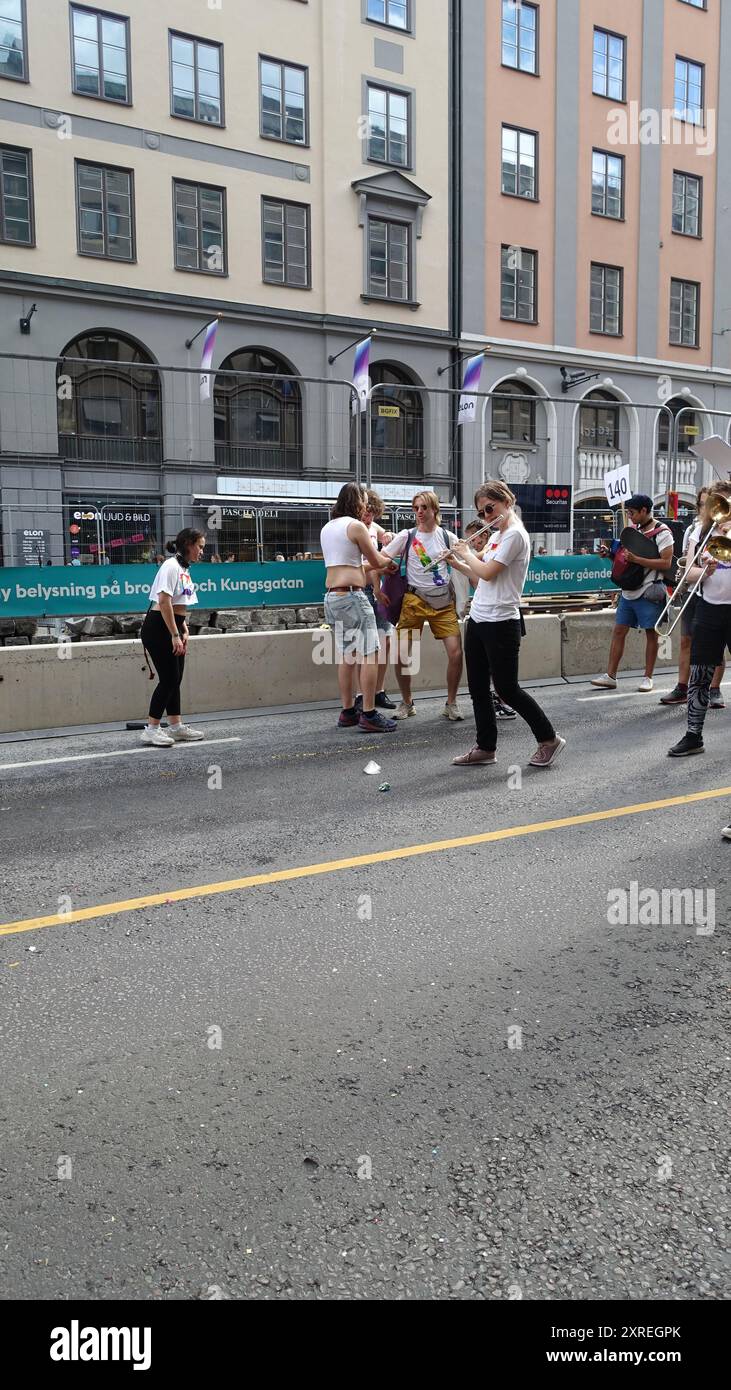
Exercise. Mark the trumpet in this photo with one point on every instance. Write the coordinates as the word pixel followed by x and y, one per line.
pixel 448 555
pixel 717 547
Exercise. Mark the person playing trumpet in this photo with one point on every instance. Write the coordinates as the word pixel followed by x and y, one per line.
pixel 494 629
pixel 712 626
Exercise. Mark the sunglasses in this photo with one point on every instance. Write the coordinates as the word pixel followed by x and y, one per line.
pixel 486 511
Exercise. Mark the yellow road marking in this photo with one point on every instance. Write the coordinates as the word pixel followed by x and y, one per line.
pixel 332 866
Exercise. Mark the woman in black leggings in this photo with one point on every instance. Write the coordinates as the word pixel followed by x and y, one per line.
pixel 165 637
pixel 494 629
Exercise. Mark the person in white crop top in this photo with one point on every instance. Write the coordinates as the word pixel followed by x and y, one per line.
pixel 165 638
pixel 346 545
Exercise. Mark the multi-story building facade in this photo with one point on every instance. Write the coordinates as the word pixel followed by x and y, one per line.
pixel 285 165
pixel 595 229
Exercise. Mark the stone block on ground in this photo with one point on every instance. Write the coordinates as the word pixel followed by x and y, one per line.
pixel 75 627
pixel 7 627
pixel 98 626
pixel 309 617
pixel 237 621
pixel 269 618
pixel 17 641
pixel 26 627
pixel 129 625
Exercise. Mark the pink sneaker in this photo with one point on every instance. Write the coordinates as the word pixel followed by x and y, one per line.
pixel 546 753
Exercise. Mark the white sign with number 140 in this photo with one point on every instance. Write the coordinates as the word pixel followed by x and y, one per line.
pixel 616 486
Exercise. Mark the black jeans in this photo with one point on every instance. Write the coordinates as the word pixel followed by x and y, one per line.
pixel 711 637
pixel 492 650
pixel 158 642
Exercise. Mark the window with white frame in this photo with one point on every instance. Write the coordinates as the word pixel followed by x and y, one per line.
pixel 688 91
pixel 283 102
pixel 608 65
pixel 687 204
pixel 394 13
pixel 520 162
pixel 388 126
pixel 518 284
pixel 607 184
pixel 520 36
pixel 195 79
pixel 388 259
pixel 684 300
pixel 100 54
pixel 605 310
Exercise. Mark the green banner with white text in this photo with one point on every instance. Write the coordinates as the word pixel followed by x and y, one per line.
pixel 67 591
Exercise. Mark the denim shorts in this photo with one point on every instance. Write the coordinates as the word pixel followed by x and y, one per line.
pixel 353 622
pixel 637 612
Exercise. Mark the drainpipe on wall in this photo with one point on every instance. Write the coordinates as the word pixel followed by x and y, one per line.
pixel 455 227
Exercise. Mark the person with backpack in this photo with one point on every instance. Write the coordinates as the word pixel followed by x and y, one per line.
pixel 429 597
pixel 643 593
pixel 165 638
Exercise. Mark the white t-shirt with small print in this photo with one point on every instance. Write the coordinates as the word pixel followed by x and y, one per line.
pixel 498 600
pixel 173 579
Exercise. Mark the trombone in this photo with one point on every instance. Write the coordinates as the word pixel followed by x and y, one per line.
pixel 717 547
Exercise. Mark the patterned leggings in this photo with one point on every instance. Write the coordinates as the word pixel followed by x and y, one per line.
pixel 699 697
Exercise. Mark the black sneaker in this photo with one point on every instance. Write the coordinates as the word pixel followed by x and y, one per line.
pixel 678 696
pixel 689 744
pixel 376 724
pixel 502 711
pixel 383 702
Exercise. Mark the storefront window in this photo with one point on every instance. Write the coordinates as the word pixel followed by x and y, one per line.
pixel 593 521
pixel 599 422
pixel 111 531
pixel 689 428
pixel 397 426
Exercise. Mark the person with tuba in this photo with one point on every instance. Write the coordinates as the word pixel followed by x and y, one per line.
pixel 712 627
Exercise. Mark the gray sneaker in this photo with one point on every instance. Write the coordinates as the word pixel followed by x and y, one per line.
pixel 182 733
pixel 404 711
pixel 156 737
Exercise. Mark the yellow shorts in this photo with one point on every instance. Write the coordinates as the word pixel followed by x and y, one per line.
pixel 416 611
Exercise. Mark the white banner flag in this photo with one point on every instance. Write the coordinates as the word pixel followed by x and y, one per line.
pixel 468 404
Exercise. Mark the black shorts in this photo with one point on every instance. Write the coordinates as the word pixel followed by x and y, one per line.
pixel 711 633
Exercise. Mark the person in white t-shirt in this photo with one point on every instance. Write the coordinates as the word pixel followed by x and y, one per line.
pixel 430 597
pixel 165 638
pixel 711 633
pixel 494 628
pixel 679 694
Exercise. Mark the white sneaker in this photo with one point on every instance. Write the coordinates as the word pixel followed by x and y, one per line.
pixel 404 711
pixel 156 736
pixel 645 685
pixel 726 832
pixel 182 733
pixel 452 711
pixel 605 682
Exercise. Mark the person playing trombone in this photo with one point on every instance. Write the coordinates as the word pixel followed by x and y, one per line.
pixel 698 531
pixel 712 626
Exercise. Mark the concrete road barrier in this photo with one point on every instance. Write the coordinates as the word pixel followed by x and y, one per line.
pixel 101 682
pixel 586 641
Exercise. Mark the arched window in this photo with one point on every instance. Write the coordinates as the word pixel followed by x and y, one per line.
pixel 514 414
pixel 593 520
pixel 599 421
pixel 397 425
pixel 108 391
pixel 257 419
pixel 689 427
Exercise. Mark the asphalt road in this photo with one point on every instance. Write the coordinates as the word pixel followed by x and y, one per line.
pixel 372 1125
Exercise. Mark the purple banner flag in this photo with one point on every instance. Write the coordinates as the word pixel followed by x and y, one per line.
pixel 360 374
pixel 209 343
pixel 468 404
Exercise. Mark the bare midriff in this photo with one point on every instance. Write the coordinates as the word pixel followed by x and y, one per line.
pixel 345 577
